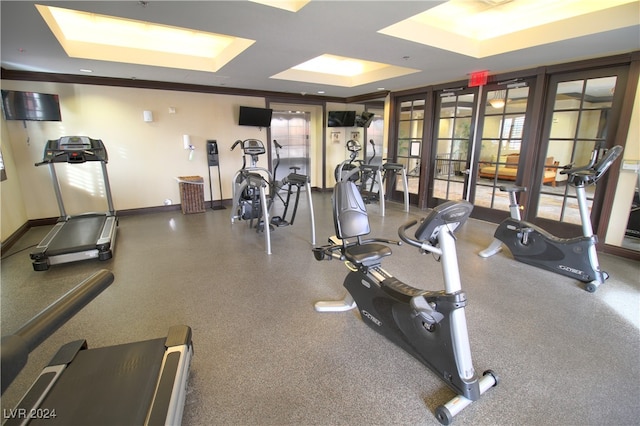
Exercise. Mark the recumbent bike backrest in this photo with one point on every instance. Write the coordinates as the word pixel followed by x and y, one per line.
pixel 349 213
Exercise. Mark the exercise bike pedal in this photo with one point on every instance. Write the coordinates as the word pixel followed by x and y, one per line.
pixel 426 312
pixel 523 235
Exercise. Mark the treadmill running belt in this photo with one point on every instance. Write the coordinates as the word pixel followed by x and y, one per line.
pixel 79 233
pixel 106 386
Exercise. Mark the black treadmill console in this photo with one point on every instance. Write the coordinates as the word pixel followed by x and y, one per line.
pixel 74 149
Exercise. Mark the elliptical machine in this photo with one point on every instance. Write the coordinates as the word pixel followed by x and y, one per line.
pixel 350 169
pixel 430 325
pixel 573 257
pixel 291 181
pixel 369 178
pixel 254 189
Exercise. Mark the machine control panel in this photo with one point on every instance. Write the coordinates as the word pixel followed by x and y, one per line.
pixel 253 147
pixel 74 149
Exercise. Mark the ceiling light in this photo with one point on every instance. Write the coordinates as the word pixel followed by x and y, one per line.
pixel 342 71
pixel 93 36
pixel 498 100
pixel 290 5
pixel 484 28
pixel 330 64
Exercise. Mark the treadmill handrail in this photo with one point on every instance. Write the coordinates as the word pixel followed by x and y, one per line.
pixel 17 346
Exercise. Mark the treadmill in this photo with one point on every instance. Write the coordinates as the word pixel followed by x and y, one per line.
pixel 139 383
pixel 84 236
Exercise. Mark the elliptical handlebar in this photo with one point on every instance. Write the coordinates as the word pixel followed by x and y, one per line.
pixel 373 145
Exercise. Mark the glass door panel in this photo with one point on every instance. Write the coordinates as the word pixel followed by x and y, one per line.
pixel 410 128
pixel 504 113
pixel 579 123
pixel 452 146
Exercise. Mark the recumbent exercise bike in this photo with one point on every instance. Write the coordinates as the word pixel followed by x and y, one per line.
pixel 572 257
pixel 430 325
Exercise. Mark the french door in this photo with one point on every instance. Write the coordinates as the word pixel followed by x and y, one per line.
pixel 500 146
pixel 411 119
pixel 581 115
pixel 452 145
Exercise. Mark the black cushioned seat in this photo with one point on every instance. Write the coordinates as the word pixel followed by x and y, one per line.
pixel 367 254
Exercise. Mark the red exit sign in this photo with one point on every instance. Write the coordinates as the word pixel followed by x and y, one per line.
pixel 478 78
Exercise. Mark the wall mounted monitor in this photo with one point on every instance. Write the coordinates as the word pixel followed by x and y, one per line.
pixel 30 106
pixel 259 117
pixel 341 119
pixel 364 119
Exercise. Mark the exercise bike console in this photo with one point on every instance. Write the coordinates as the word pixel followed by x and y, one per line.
pixel 451 214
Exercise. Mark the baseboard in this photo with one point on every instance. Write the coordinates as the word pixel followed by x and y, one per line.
pixel 13 238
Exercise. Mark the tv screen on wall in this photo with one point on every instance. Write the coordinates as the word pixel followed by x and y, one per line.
pixel 364 119
pixel 259 117
pixel 30 106
pixel 341 119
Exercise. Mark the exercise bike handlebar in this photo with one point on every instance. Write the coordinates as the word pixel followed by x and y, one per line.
pixel 402 233
pixel 596 170
pixel 568 169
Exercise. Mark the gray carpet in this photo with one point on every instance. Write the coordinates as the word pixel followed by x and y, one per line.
pixel 263 356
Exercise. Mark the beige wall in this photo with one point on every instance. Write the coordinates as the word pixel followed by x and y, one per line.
pixel 144 158
pixel 627 180
pixel 13 213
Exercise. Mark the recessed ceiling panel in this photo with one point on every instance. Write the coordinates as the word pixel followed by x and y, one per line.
pixel 481 28
pixel 106 38
pixel 341 71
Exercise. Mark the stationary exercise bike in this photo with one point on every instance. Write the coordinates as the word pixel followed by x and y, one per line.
pixel 573 257
pixel 430 325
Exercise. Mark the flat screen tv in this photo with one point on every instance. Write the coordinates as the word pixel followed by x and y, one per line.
pixel 341 119
pixel 259 117
pixel 364 119
pixel 30 106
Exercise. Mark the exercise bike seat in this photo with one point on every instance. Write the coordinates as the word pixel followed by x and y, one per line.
pixel 367 254
pixel 512 188
pixel 351 221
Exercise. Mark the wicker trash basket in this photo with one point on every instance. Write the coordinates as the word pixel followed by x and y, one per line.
pixel 191 194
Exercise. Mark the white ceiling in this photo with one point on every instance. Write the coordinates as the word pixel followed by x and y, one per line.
pixel 285 39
